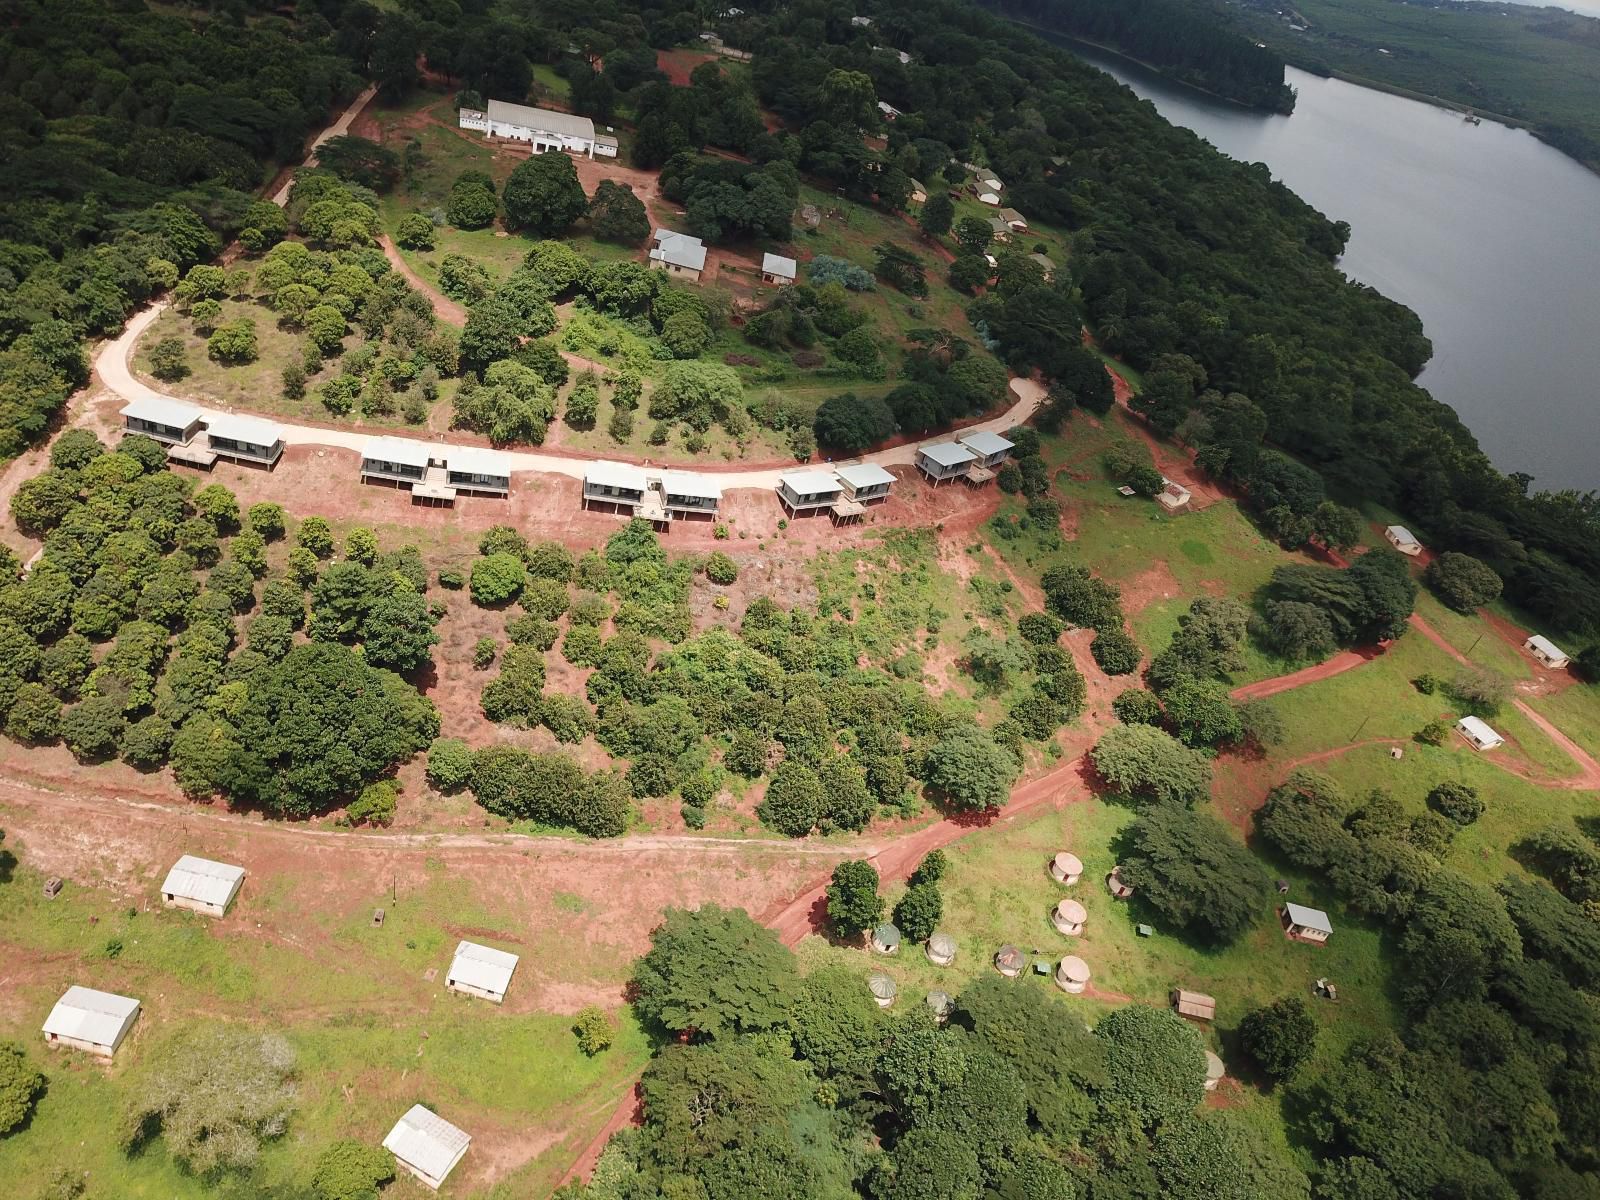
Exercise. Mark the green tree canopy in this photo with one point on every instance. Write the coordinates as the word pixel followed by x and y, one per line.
pixel 713 973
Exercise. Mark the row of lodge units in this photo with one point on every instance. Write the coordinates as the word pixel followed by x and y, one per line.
pixel 436 474
pixel 973 457
pixel 198 438
pixel 543 128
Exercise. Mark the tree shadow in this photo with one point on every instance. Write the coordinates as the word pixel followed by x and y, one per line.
pixel 8 865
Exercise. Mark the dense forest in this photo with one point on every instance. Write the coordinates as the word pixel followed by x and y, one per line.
pixel 1195 45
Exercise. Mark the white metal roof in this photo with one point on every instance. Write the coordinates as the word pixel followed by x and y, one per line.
pixel 1479 730
pixel 475 460
pixel 948 454
pixel 243 429
pixel 1401 534
pixel 566 124
pixel 1545 646
pixel 810 483
pixel 203 880
pixel 864 475
pixel 990 182
pixel 685 483
pixel 90 1016
pixel 427 1141
pixel 988 198
pixel 160 411
pixel 396 450
pixel 778 264
pixel 680 250
pixel 985 443
pixel 483 967
pixel 615 475
pixel 1308 918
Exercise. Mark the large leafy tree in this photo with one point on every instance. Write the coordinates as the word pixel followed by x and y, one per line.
pixel 20 1086
pixel 851 424
pixel 1192 870
pixel 617 215
pixel 1150 765
pixel 1279 1037
pixel 320 724
pixel 970 769
pixel 854 905
pixel 1155 1061
pixel 543 195
pixel 714 973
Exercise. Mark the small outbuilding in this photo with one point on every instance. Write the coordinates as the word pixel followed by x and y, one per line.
pixel 1173 496
pixel 1116 886
pixel 481 971
pixel 919 192
pixel 201 885
pixel 1069 917
pixel 1306 924
pixel 886 938
pixel 883 988
pixel 999 231
pixel 1066 868
pixel 940 1005
pixel 426 1146
pixel 1010 961
pixel 865 482
pixel 92 1021
pixel 941 949
pixel 1547 652
pixel 944 461
pixel 679 254
pixel 1403 540
pixel 1215 1071
pixel 889 111
pixel 775 268
pixel 1195 1005
pixel 1072 974
pixel 1478 733
pixel 1014 220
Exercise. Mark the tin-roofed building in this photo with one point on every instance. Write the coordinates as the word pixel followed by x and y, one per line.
pixel 809 491
pixel 990 448
pixel 941 949
pixel 1072 975
pixel 775 268
pixel 1069 917
pixel 399 461
pixel 244 439
pixel 170 422
pixel 1479 733
pixel 688 495
pixel 886 938
pixel 1014 220
pixel 1306 924
pixel 1010 961
pixel 426 1146
pixel 1403 540
pixel 883 988
pixel 618 484
pixel 545 128
pixel 940 1005
pixel 1066 868
pixel 944 461
pixel 1195 1005
pixel 481 971
pixel 201 885
pixel 864 482
pixel 1173 496
pixel 1215 1071
pixel 474 469
pixel 92 1021
pixel 678 254
pixel 1547 652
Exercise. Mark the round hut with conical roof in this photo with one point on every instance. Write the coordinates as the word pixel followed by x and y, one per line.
pixel 1068 917
pixel 1115 886
pixel 883 988
pixel 941 949
pixel 1010 961
pixel 886 938
pixel 1065 868
pixel 1214 1071
pixel 940 1005
pixel 1072 974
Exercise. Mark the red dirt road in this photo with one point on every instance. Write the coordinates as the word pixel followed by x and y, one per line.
pixel 1345 660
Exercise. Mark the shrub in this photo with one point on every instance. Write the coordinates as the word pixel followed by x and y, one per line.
pixel 1115 651
pixel 20 1086
pixel 1425 684
pixel 854 905
pixel 1040 628
pixel 484 652
pixel 375 806
pixel 497 579
pixel 267 520
pixel 794 800
pixel 449 764
pixel 1136 706
pixel 35 715
pixel 1461 581
pixel 1480 691
pixel 1433 733
pixel 92 727
pixel 452 578
pixel 593 1030
pixel 315 536
pixel 1279 1037
pixel 349 1170
pixel 721 569
pixel 1459 802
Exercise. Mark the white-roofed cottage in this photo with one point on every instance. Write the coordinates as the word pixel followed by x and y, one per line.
pixel 426 1146
pixel 775 268
pixel 244 439
pixel 864 482
pixel 1306 924
pixel 201 885
pixel 1547 652
pixel 481 971
pixel 89 1020
pixel 944 461
pixel 170 422
pixel 808 491
pixel 1403 540
pixel 1479 733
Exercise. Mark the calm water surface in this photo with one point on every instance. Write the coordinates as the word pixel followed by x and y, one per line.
pixel 1492 237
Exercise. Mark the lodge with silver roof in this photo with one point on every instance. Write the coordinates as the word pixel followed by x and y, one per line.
pixel 201 885
pixel 481 971
pixel 96 1022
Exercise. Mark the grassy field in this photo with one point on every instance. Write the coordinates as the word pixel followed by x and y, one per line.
pixel 372 1035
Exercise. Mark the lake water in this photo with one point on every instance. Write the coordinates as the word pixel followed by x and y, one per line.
pixel 1492 237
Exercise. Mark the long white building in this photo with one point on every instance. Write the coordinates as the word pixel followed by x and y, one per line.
pixel 545 128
